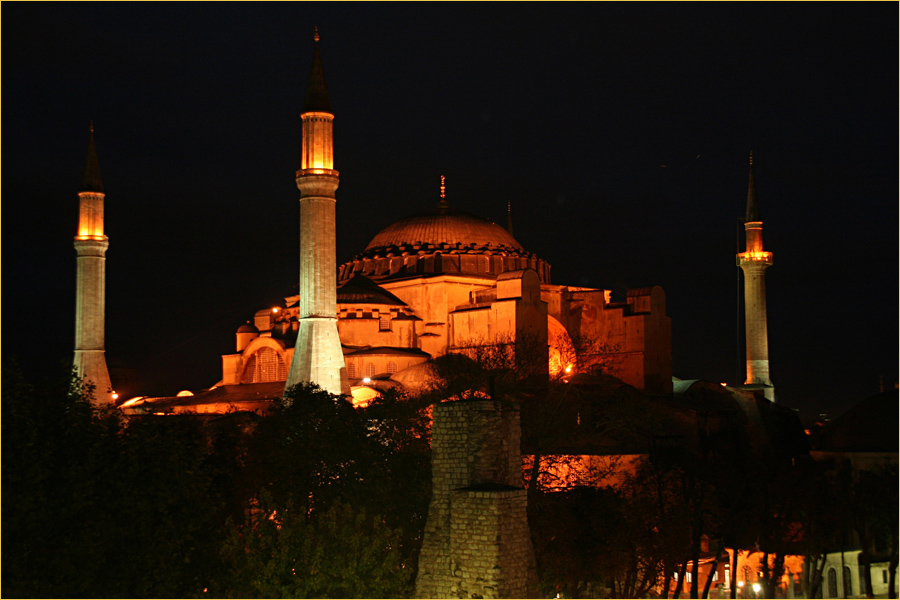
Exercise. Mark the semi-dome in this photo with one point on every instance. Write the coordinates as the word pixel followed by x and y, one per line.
pixel 445 227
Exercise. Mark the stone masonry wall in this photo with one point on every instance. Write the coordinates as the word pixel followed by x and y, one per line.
pixel 477 543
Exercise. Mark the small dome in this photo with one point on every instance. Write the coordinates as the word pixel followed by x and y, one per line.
pixel 248 328
pixel 448 227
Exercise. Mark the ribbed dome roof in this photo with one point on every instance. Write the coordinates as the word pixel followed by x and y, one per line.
pixel 444 227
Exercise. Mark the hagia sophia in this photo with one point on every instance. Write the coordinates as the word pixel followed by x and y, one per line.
pixel 432 283
pixel 437 282
pixel 443 281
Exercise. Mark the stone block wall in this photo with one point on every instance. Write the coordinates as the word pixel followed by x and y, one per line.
pixel 477 543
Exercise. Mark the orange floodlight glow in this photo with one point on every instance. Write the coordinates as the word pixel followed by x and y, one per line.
pixel 756 255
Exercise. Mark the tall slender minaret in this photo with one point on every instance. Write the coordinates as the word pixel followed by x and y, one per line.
pixel 754 261
pixel 318 357
pixel 90 301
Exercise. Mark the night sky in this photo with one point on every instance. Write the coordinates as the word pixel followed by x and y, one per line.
pixel 619 132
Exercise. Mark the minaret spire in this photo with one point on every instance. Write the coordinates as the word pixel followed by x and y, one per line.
pixel 317 98
pixel 318 357
pixel 509 216
pixel 752 214
pixel 753 262
pixel 90 296
pixel 92 182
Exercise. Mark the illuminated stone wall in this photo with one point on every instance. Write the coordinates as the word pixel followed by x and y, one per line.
pixel 477 542
pixel 636 334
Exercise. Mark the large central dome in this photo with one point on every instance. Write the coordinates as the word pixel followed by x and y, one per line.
pixel 445 227
pixel 442 242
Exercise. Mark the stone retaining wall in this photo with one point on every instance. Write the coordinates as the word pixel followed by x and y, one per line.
pixel 477 543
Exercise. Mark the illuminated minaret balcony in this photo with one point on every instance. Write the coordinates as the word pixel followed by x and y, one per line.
pixel 317 157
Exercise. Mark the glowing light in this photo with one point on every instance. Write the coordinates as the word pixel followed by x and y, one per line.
pixel 756 587
pixel 183 393
pixel 317 171
pixel 366 379
pixel 723 384
pixel 755 255
pixel 740 584
pixel 275 310
pixel 568 368
pixel 443 188
pixel 115 396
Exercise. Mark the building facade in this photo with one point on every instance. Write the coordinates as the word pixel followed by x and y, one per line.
pixel 435 282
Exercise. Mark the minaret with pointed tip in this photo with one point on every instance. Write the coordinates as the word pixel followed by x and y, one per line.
pixel 318 357
pixel 90 301
pixel 754 261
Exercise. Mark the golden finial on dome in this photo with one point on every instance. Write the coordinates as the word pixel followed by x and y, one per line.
pixel 316 33
pixel 443 205
pixel 92 126
pixel 751 158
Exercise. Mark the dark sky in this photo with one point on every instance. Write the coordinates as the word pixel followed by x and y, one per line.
pixel 619 132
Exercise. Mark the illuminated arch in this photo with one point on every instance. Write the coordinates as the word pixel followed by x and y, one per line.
pixel 264 361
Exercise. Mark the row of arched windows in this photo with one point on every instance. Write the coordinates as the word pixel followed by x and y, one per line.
pixel 369 370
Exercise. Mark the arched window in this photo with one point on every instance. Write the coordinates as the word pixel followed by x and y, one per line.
pixel 351 369
pixel 384 322
pixel 848 583
pixel 264 365
pixel 370 369
pixel 832 583
pixel 391 367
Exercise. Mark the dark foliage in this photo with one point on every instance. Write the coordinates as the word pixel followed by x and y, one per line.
pixel 94 506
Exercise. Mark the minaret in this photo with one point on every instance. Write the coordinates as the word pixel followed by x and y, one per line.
pixel 90 301
pixel 318 357
pixel 754 261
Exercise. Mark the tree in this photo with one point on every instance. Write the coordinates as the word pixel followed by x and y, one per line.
pixel 95 508
pixel 283 552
